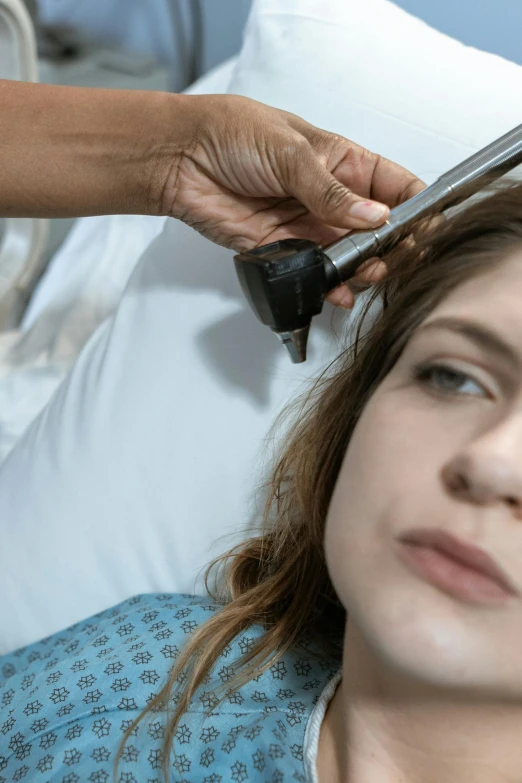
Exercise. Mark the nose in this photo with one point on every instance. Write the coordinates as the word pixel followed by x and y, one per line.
pixel 489 469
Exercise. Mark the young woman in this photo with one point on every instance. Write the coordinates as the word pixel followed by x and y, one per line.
pixel 372 631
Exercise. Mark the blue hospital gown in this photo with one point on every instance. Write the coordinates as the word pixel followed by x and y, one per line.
pixel 65 702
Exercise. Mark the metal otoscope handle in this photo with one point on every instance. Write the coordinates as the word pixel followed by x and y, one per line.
pixel 286 282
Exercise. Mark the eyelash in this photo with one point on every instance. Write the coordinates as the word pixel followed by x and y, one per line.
pixel 425 373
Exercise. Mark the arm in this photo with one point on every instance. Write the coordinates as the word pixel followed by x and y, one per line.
pixel 240 172
pixel 67 151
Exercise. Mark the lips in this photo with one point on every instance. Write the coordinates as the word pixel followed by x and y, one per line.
pixel 469 555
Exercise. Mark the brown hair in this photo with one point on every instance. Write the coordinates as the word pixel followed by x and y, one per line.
pixel 279 578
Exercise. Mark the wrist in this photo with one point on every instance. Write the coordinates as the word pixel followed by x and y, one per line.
pixel 172 136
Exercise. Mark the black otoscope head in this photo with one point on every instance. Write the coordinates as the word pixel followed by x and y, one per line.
pixel 285 284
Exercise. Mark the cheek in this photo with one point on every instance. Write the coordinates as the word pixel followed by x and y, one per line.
pixel 390 469
pixel 382 459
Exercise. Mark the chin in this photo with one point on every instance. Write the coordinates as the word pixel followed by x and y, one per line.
pixel 419 637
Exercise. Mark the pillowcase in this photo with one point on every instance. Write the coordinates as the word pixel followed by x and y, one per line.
pixel 145 463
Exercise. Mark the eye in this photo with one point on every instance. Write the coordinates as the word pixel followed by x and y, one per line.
pixel 446 380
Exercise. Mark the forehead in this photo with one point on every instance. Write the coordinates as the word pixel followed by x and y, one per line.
pixel 493 297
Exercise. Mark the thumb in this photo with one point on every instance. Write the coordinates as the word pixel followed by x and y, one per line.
pixel 328 199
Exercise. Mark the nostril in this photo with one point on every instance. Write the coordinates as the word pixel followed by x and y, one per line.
pixel 459 483
pixel 513 502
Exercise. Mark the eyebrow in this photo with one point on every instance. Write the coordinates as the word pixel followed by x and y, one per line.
pixel 480 335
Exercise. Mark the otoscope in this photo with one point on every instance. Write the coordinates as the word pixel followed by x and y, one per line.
pixel 286 282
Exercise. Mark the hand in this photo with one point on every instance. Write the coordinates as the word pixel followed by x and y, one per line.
pixel 252 174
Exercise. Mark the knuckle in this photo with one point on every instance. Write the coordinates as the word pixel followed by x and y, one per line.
pixel 359 157
pixel 296 145
pixel 408 191
pixel 334 196
pixel 326 140
pixel 334 148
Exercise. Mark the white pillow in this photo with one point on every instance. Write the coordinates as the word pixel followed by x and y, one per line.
pixel 378 75
pixel 151 449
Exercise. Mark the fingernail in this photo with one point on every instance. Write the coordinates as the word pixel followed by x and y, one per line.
pixel 371 211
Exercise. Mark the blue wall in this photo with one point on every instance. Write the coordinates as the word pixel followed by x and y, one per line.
pixel 224 21
pixel 492 25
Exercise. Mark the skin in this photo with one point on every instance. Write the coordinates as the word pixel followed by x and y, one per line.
pixel 432 685
pixel 240 172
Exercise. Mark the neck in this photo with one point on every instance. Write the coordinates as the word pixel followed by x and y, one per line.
pixel 384 728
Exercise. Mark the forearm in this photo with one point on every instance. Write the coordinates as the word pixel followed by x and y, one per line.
pixel 67 151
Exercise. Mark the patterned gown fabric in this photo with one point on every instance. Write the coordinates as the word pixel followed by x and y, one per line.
pixel 65 702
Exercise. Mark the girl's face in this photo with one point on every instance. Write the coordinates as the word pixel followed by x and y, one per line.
pixel 439 446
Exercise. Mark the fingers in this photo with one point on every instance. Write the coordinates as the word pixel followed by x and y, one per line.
pixel 394 184
pixel 341 296
pixel 328 199
pixel 363 171
pixel 384 180
pixel 344 184
pixel 370 273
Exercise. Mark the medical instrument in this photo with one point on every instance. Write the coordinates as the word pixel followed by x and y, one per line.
pixel 285 282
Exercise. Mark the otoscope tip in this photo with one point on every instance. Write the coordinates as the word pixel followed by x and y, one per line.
pixel 295 343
